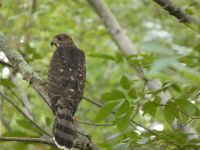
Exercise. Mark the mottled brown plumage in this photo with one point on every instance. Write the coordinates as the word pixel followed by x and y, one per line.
pixel 66 82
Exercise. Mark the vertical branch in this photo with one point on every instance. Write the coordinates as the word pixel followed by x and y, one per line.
pixel 33 6
pixel 118 35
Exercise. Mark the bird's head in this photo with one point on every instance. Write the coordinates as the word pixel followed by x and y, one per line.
pixel 62 39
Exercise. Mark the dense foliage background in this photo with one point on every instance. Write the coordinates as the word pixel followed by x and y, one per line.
pixel 169 52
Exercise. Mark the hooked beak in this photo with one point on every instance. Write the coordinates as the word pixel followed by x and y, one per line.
pixel 52 43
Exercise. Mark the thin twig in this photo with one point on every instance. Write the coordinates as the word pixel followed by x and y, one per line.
pixel 3 120
pixel 189 115
pixel 95 124
pixel 165 135
pixel 139 101
pixel 27 108
pixel 132 121
pixel 19 110
pixel 176 129
pixel 23 139
pixel 93 102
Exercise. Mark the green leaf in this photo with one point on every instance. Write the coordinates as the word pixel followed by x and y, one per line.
pixel 120 146
pixel 176 88
pixel 32 53
pixel 163 63
pixel 145 60
pixel 189 11
pixel 27 125
pixel 132 93
pixel 186 106
pixel 156 48
pixel 15 134
pixel 123 108
pixel 6 83
pixel 191 75
pixel 149 108
pixel 125 82
pixel 113 95
pixel 123 115
pixel 105 111
pixel 183 118
pixel 197 47
pixel 119 57
pixel 157 100
pixel 48 120
pixel 24 123
pixel 170 112
pixel 104 56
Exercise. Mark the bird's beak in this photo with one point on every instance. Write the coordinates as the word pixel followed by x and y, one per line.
pixel 52 43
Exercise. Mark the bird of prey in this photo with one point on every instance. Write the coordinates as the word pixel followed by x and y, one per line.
pixel 66 82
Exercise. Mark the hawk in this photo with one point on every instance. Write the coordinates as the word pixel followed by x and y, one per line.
pixel 66 82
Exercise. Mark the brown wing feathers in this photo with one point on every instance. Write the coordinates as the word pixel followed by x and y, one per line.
pixel 65 88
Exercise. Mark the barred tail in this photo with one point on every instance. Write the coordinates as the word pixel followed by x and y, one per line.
pixel 64 129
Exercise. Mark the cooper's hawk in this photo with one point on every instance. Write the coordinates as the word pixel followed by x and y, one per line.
pixel 66 82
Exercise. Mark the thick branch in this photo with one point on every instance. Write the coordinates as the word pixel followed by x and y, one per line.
pixel 79 143
pixel 18 63
pixel 118 35
pixel 5 63
pixel 178 12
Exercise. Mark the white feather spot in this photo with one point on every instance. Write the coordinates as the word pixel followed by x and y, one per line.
pixel 70 69
pixel 71 90
pixel 61 70
pixel 71 77
pixel 59 146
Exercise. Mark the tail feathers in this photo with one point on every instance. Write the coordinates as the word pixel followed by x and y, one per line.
pixel 64 129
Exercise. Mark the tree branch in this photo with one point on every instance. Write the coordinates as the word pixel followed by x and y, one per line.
pixel 5 63
pixel 27 109
pixel 19 110
pixel 121 41
pixel 179 13
pixel 125 45
pixel 132 121
pixel 118 35
pixel 95 124
pixel 34 140
pixel 18 63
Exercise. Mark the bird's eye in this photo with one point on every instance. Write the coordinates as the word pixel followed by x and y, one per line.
pixel 59 38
